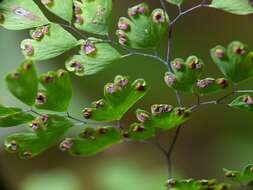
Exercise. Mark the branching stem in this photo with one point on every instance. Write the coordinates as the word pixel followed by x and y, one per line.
pixel 162 2
pixel 219 100
pixel 183 13
pixel 168 61
pixel 145 55
pixel 75 119
pixel 74 30
pixel 69 116
pixel 167 153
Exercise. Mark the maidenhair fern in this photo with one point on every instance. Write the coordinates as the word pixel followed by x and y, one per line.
pixel 142 29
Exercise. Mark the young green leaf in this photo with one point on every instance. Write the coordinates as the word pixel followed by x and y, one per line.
pixel 93 16
pixel 47 131
pixel 57 91
pixel 11 117
pixel 175 2
pixel 235 62
pixel 162 116
pixel 240 7
pixel 191 184
pixel 244 176
pixel 48 42
pixel 244 102
pixel 185 74
pixel 23 83
pixel 138 132
pixel 119 97
pixel 21 14
pixel 92 141
pixel 210 85
pixel 143 30
pixel 62 9
pixel 8 110
pixel 94 56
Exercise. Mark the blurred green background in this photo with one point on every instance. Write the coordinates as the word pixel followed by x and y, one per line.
pixel 214 137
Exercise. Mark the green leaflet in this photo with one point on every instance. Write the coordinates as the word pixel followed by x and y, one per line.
pixel 143 30
pixel 56 93
pixel 138 132
pixel 94 56
pixel 10 116
pixel 185 74
pixel 191 184
pixel 48 42
pixel 235 62
pixel 210 85
pixel 8 110
pixel 244 102
pixel 92 141
pixel 244 176
pixel 21 14
pixel 119 97
pixel 62 9
pixel 162 117
pixel 240 7
pixel 48 130
pixel 23 83
pixel 175 2
pixel 93 16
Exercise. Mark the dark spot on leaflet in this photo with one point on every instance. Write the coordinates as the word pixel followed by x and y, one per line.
pixel 138 128
pixel 22 12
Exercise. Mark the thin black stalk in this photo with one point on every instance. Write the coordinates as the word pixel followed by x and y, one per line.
pixel 219 100
pixel 178 97
pixel 74 30
pixel 171 148
pixel 35 112
pixel 132 53
pixel 67 115
pixel 158 146
pixel 75 119
pixel 182 13
pixel 168 61
pixel 168 58
pixel 145 55
pixel 162 2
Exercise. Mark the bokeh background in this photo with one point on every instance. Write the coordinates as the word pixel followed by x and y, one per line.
pixel 215 137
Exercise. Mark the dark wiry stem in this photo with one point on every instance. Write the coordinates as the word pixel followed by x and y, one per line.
pixel 219 100
pixel 69 116
pixel 168 60
pixel 35 112
pixel 75 119
pixel 183 13
pixel 163 5
pixel 171 148
pixel 155 56
pixel 72 28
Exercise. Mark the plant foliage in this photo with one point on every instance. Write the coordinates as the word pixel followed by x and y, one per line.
pixel 87 29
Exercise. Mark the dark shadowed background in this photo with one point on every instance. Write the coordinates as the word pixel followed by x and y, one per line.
pixel 215 137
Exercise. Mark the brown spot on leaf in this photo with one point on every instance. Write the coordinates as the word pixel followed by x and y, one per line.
pixel 22 12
